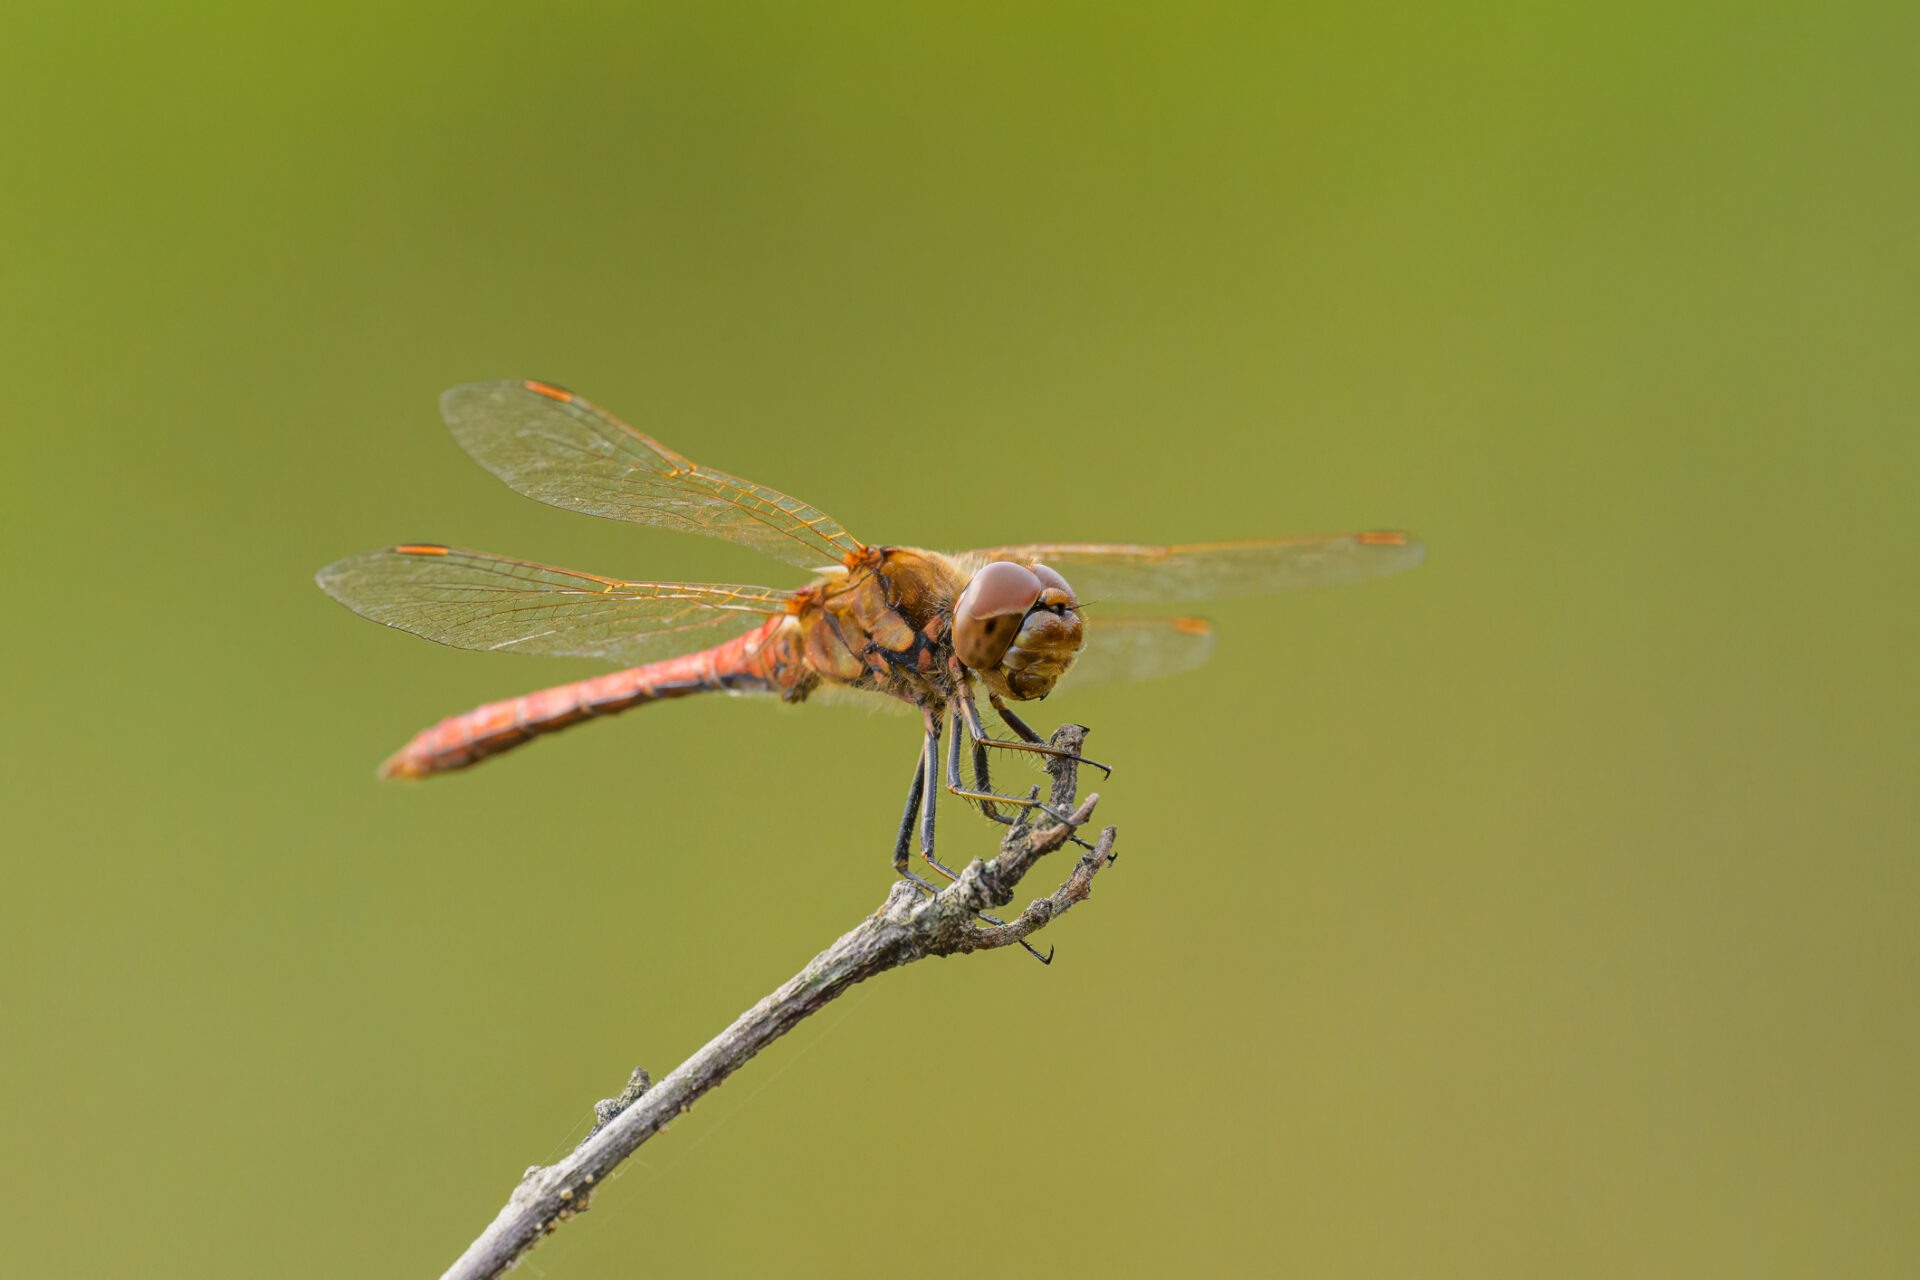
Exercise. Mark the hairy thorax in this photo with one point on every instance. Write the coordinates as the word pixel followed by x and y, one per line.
pixel 880 624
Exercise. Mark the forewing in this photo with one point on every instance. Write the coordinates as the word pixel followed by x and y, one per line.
pixel 1099 572
pixel 473 601
pixel 552 445
pixel 1122 649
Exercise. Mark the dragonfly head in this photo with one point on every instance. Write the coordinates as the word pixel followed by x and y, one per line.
pixel 1018 627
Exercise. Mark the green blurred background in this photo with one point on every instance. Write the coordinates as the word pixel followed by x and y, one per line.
pixel 1549 911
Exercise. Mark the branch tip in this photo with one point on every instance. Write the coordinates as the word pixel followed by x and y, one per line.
pixel 908 925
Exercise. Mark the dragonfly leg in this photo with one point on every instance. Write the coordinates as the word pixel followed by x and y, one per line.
pixel 930 789
pixel 1025 731
pixel 986 806
pixel 1020 727
pixel 989 797
pixel 980 771
pixel 1033 741
pixel 903 844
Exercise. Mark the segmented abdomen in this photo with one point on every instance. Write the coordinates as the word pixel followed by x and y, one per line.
pixel 764 660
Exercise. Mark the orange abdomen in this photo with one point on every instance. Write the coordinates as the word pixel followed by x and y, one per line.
pixel 764 660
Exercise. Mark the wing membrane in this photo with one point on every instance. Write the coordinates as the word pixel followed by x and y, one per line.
pixel 552 445
pixel 1124 649
pixel 1210 570
pixel 473 601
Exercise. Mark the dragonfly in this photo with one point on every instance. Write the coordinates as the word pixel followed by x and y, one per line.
pixel 929 630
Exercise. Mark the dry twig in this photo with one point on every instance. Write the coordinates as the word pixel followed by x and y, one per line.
pixel 909 926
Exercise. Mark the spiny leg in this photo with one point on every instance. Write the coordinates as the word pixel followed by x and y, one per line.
pixel 1020 727
pixel 981 776
pixel 971 712
pixel 920 797
pixel 953 785
pixel 1013 722
pixel 1034 743
pixel 930 789
pixel 979 768
pixel 989 796
pixel 903 844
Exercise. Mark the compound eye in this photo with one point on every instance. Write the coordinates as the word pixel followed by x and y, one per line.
pixel 1049 579
pixel 987 616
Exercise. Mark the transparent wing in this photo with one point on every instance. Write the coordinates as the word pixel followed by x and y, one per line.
pixel 474 601
pixel 1099 572
pixel 552 445
pixel 1122 649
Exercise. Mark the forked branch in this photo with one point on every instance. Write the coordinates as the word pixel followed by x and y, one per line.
pixel 909 926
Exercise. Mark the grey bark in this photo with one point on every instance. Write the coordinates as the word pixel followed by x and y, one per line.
pixel 910 925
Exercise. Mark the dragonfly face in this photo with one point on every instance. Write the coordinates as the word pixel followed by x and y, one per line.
pixel 1018 627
